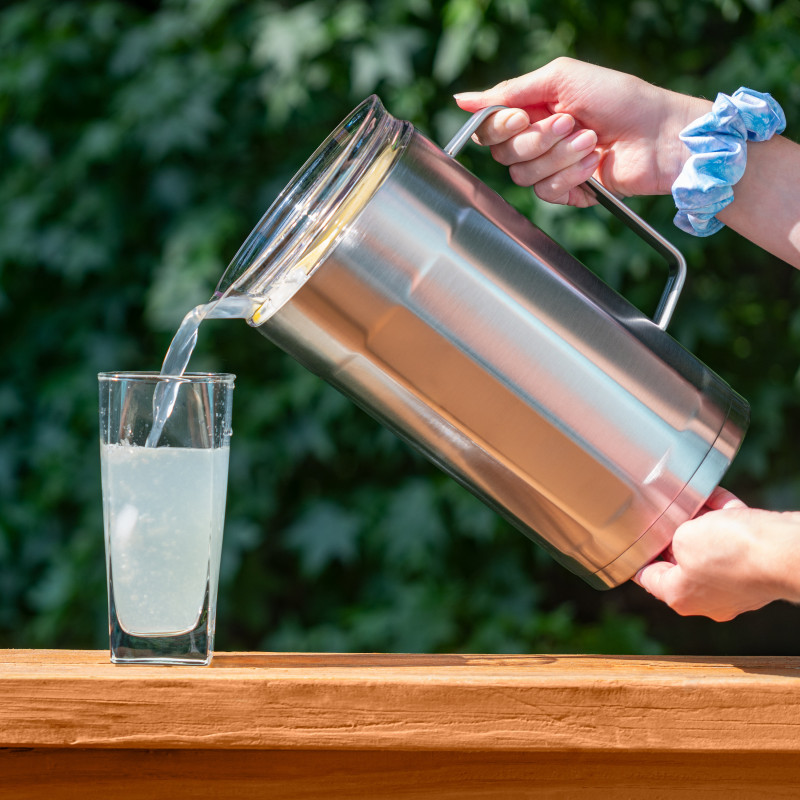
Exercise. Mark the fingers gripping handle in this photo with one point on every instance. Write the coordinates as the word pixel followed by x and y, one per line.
pixel 674 258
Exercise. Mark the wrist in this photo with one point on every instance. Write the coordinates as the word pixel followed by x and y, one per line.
pixel 717 144
pixel 778 554
pixel 673 154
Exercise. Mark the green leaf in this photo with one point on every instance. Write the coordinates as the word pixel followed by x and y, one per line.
pixel 323 535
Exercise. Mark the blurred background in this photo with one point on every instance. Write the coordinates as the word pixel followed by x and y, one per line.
pixel 140 143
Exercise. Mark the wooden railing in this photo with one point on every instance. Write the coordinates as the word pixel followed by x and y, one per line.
pixel 288 726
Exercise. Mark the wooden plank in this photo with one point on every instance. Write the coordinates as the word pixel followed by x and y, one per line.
pixel 309 775
pixel 541 703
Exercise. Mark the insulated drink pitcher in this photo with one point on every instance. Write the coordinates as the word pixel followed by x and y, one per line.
pixel 392 272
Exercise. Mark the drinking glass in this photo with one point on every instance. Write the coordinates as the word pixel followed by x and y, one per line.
pixel 163 511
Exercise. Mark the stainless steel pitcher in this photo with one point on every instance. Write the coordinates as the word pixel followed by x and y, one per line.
pixel 392 272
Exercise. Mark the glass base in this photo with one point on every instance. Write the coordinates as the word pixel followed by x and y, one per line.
pixel 187 648
pixel 195 646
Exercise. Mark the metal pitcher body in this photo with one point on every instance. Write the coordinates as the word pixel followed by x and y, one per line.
pixel 462 327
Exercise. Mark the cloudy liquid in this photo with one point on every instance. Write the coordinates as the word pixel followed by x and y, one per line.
pixel 164 509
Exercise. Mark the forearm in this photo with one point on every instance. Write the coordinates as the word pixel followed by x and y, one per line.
pixel 766 205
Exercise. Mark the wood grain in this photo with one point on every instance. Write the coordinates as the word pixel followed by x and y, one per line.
pixel 358 702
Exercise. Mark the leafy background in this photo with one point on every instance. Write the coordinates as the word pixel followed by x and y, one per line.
pixel 140 142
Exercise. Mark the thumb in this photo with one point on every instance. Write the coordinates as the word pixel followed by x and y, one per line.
pixel 722 498
pixel 657 578
pixel 475 101
pixel 526 91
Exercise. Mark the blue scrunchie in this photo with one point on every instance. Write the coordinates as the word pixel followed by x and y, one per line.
pixel 718 141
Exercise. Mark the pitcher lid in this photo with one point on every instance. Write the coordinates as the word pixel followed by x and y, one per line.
pixel 310 215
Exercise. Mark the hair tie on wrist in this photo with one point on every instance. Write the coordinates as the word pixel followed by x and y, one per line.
pixel 718 144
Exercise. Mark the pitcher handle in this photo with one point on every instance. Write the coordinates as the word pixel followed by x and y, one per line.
pixel 674 258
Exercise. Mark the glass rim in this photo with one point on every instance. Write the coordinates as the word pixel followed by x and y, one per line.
pixel 153 376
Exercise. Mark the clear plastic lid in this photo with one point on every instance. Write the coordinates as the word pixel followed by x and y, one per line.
pixel 313 211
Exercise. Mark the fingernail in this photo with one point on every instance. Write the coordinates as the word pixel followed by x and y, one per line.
pixel 584 140
pixel 467 95
pixel 517 121
pixel 563 125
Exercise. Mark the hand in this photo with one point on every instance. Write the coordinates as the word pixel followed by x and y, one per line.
pixel 569 120
pixel 727 560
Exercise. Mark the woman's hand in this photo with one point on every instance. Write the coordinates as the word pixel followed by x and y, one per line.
pixel 569 119
pixel 727 560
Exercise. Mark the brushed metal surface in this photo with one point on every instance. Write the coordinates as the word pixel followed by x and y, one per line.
pixel 461 326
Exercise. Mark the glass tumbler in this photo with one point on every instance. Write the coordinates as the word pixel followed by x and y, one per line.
pixel 163 511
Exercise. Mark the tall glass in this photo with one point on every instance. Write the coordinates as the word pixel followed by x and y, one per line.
pixel 163 510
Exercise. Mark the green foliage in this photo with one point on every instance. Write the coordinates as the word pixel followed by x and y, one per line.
pixel 138 148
